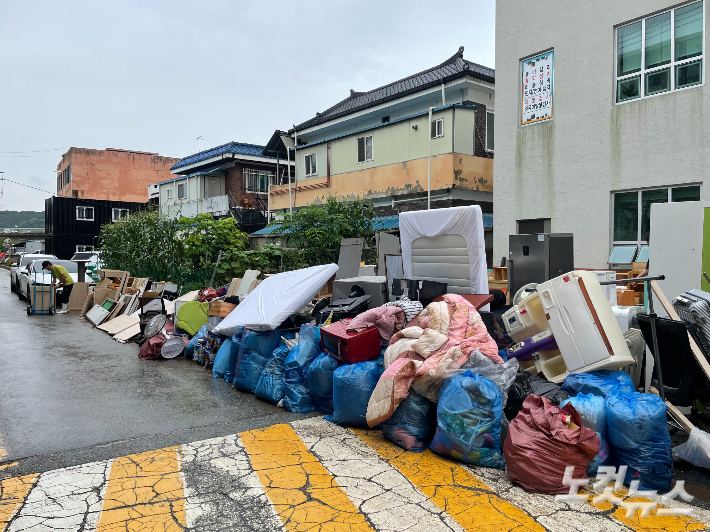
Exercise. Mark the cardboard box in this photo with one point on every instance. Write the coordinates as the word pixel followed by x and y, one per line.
pixel 78 296
pixel 220 309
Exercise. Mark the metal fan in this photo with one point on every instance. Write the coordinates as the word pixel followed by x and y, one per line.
pixel 155 325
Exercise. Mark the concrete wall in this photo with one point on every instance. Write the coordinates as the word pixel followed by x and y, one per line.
pixel 566 168
pixel 449 170
pixel 113 174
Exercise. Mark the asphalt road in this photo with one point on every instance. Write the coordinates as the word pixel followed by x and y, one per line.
pixel 70 394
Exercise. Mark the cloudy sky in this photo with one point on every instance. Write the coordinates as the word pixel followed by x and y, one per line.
pixel 154 75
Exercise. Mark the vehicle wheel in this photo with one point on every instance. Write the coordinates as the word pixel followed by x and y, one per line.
pixel 19 294
pixel 12 287
pixel 51 310
pixel 29 310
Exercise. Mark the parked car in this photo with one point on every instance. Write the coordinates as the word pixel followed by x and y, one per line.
pixel 21 265
pixel 34 274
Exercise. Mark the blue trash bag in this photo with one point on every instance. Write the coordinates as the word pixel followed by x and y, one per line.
pixel 190 347
pixel 413 424
pixel 298 361
pixel 468 416
pixel 638 435
pixel 226 359
pixel 600 383
pixel 353 385
pixel 320 382
pixel 592 412
pixel 270 386
pixel 296 398
pixel 256 350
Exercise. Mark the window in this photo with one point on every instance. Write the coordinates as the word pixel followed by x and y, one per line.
pixel 311 167
pixel 437 128
pixel 490 123
pixel 80 248
pixel 631 216
pixel 85 213
pixel 534 227
pixel 182 190
pixel 117 214
pixel 661 53
pixel 385 119
pixel 170 193
pixel 258 180
pixel 364 149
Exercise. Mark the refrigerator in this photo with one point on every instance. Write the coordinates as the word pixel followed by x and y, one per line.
pixel 538 258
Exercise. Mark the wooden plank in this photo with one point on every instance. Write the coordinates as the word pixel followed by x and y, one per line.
pixel 128 334
pixel 233 286
pixel 667 305
pixel 118 324
pixel 246 284
pixel 677 414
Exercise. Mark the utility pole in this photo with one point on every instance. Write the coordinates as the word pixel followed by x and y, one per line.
pixel 199 142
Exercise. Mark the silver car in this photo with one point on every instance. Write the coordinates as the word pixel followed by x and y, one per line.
pixel 34 274
pixel 20 266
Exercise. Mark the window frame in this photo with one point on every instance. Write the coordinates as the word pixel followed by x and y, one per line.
pixel 254 173
pixel 372 150
pixel 120 210
pixel 639 206
pixel 170 193
pixel 494 142
pixel 436 121
pixel 187 192
pixel 84 218
pixel 310 166
pixel 670 66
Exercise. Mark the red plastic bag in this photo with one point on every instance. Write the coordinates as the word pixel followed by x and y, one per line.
pixel 206 294
pixel 540 446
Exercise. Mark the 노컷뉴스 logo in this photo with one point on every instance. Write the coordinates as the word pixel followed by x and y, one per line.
pixel 608 474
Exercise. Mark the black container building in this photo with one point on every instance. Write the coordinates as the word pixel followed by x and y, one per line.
pixel 74 224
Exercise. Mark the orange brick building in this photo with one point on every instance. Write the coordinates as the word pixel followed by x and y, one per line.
pixel 111 174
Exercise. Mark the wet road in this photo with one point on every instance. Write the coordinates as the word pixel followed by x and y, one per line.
pixel 71 394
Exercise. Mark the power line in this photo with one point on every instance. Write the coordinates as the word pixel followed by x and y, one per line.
pixel 3 179
pixel 34 151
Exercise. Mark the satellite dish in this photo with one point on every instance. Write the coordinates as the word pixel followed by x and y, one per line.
pixel 155 325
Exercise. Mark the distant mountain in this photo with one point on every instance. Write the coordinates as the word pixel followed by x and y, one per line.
pixel 21 219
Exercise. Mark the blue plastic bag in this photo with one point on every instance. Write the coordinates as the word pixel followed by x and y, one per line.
pixel 413 424
pixel 638 434
pixel 296 398
pixel 270 386
pixel 190 347
pixel 468 418
pixel 298 361
pixel 592 412
pixel 256 350
pixel 600 383
pixel 320 382
pixel 353 385
pixel 225 360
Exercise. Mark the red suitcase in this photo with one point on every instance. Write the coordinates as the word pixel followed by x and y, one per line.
pixel 350 347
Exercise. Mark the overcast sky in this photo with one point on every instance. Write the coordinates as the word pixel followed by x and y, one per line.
pixel 153 76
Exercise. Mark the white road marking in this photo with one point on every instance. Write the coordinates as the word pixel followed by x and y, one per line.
pixel 385 496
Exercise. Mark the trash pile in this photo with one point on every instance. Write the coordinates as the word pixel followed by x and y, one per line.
pixel 428 377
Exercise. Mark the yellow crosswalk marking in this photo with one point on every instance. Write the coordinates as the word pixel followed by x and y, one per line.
pixel 455 490
pixel 12 494
pixel 304 494
pixel 145 492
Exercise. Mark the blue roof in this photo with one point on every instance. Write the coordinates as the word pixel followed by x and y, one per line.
pixel 379 223
pixel 237 148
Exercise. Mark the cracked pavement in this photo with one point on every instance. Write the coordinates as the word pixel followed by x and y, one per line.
pixel 309 475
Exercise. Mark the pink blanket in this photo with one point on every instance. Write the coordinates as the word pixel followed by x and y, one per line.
pixel 388 321
pixel 466 332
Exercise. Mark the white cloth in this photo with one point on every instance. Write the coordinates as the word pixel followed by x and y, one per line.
pixel 464 221
pixel 275 299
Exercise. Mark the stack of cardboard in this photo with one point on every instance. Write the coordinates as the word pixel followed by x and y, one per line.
pixel 110 286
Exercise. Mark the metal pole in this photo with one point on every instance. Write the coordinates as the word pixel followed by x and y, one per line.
pixel 288 170
pixel 295 163
pixel 428 181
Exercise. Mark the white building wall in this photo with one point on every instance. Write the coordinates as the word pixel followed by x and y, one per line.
pixel 565 168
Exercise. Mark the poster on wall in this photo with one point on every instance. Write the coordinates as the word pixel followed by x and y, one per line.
pixel 537 88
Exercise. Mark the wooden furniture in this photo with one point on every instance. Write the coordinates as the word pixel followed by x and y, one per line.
pixel 500 273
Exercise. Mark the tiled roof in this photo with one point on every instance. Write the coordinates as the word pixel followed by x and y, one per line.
pixel 379 223
pixel 454 67
pixel 237 148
